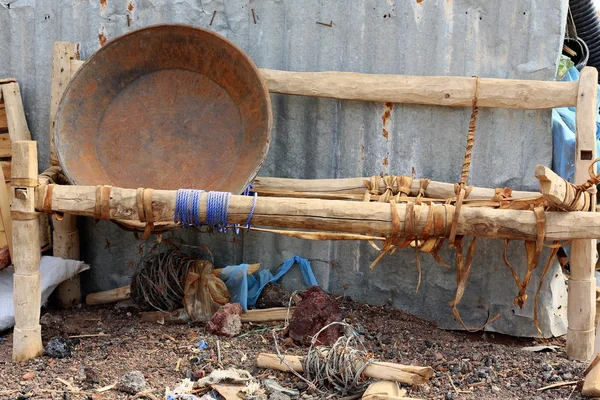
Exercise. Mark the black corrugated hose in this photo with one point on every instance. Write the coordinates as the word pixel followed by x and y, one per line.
pixel 587 24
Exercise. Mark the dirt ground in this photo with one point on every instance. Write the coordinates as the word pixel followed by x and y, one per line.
pixel 479 366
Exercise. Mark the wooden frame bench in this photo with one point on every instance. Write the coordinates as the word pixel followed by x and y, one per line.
pixel 31 195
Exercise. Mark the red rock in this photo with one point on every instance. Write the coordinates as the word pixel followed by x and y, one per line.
pixel 227 320
pixel 4 257
pixel 316 311
pixel 28 376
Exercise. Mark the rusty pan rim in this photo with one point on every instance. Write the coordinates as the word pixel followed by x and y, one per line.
pixel 111 42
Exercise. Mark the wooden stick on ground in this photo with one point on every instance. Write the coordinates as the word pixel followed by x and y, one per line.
pixel 124 292
pixel 180 316
pixel 408 374
pixel 27 295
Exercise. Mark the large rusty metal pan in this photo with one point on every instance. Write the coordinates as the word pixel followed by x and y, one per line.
pixel 165 107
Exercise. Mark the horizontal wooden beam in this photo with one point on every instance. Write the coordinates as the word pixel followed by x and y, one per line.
pixel 429 90
pixel 356 186
pixel 327 215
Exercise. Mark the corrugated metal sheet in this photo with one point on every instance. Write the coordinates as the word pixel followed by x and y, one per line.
pixel 323 138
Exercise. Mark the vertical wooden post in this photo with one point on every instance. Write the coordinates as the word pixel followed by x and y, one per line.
pixel 582 282
pixel 65 238
pixel 66 245
pixel 27 336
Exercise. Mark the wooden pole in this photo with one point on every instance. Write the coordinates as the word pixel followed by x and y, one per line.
pixel 65 237
pixel 431 90
pixel 326 215
pixel 27 337
pixel 408 374
pixel 560 193
pixel 286 187
pixel 582 283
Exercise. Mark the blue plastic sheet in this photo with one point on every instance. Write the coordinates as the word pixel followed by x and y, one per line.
pixel 563 135
pixel 245 289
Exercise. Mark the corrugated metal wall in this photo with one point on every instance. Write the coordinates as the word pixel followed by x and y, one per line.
pixel 323 138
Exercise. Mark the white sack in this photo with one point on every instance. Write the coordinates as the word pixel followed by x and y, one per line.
pixel 54 271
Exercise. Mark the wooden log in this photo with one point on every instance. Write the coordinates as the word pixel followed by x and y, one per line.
pixel 65 238
pixel 408 374
pixel 559 192
pixel 62 55
pixel 109 296
pixel 15 113
pixel 5 213
pixel 179 316
pixel 27 340
pixel 332 215
pixel 580 333
pixel 124 292
pixel 431 90
pixel 268 314
pixel 347 186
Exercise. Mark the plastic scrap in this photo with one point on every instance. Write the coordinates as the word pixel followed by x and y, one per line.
pixel 245 289
pixel 564 135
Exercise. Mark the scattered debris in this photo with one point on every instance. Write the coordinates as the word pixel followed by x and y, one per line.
pixel 317 310
pixel 58 347
pixel 541 348
pixel 132 382
pixel 383 389
pixel 49 319
pixel 231 375
pixel 273 295
pixel 229 392
pixel 273 386
pixel 28 376
pixel 227 320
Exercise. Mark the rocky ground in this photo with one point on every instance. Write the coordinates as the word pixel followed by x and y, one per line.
pixel 467 366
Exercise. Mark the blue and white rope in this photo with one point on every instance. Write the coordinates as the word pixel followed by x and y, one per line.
pixel 188 212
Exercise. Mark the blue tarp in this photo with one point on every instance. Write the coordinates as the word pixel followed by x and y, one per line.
pixel 245 289
pixel 563 135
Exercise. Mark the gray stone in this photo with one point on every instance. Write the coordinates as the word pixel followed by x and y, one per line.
pixel 567 376
pixel 132 382
pixel 58 347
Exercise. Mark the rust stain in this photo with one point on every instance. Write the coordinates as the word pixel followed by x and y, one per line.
pixel 362 152
pixel 102 37
pixel 387 112
pixel 385 119
pixel 385 162
pixel 419 1
pixel 130 6
pixel 102 5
